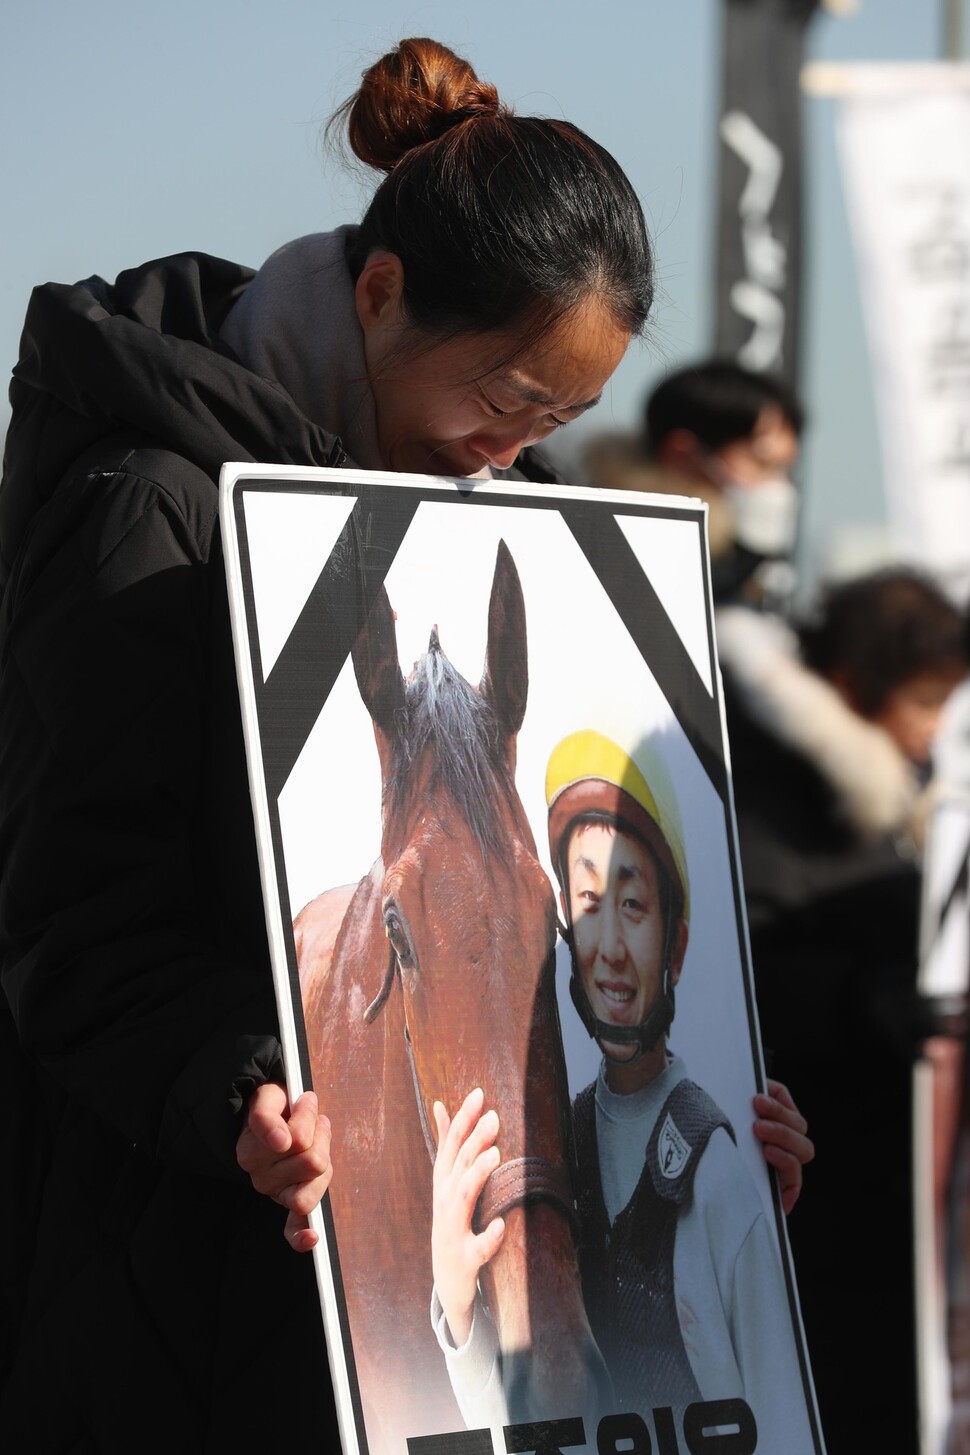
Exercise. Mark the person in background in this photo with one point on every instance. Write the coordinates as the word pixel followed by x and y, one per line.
pixel 731 437
pixel 831 728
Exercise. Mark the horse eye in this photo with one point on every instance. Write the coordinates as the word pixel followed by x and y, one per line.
pixel 400 942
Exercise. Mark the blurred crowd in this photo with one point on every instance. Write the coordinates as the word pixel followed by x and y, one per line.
pixel 833 712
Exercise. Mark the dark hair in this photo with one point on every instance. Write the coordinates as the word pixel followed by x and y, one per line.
pixel 880 631
pixel 718 401
pixel 499 221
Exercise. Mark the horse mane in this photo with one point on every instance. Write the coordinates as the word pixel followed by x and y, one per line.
pixel 459 725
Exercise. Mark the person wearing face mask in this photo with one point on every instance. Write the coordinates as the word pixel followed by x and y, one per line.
pixel 831 727
pixel 729 436
pixel 152 1163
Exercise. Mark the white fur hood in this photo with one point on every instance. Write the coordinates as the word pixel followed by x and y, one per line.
pixel 875 784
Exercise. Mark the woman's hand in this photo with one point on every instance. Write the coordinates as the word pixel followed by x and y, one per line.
pixel 287 1155
pixel 782 1131
pixel 466 1157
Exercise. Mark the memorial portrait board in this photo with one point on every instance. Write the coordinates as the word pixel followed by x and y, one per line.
pixel 492 798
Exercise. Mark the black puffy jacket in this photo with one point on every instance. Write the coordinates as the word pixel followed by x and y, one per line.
pixel 149 1301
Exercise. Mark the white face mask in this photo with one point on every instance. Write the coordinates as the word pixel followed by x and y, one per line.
pixel 765 516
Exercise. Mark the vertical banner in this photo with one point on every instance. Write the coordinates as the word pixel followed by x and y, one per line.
pixel 758 260
pixel 500 870
pixel 903 133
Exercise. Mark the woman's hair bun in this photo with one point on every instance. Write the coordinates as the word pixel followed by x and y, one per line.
pixel 415 93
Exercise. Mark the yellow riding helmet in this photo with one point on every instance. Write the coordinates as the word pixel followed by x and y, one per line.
pixel 590 774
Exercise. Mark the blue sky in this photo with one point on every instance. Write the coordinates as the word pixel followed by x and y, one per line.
pixel 131 130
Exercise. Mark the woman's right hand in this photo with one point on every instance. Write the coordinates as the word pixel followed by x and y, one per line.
pixel 467 1155
pixel 286 1152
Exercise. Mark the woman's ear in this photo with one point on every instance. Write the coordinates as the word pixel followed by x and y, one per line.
pixel 379 292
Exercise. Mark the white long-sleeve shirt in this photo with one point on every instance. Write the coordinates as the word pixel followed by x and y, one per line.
pixel 732 1304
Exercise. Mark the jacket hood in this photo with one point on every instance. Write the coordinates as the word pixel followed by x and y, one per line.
pixel 297 324
pixel 874 784
pixel 140 356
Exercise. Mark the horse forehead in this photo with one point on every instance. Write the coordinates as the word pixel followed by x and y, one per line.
pixel 453 852
pixel 508 890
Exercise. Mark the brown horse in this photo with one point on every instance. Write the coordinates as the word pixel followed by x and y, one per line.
pixel 441 978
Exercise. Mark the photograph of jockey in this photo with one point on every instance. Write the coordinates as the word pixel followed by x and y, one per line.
pixel 681 1275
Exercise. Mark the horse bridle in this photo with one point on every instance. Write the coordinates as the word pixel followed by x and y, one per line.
pixel 519 1182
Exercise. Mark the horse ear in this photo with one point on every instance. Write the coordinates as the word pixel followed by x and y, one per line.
pixel 506 679
pixel 376 665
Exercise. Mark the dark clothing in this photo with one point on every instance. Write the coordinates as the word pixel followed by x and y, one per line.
pixel 149 1301
pixel 628 1267
pixel 833 913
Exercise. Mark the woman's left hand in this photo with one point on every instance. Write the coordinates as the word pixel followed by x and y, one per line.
pixel 783 1133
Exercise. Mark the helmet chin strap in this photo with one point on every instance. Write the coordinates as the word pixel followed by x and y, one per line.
pixel 644 1036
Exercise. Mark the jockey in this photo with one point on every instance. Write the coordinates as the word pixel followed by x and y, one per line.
pixel 592 783
pixel 682 1279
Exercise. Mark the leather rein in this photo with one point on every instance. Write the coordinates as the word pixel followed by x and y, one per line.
pixel 519 1182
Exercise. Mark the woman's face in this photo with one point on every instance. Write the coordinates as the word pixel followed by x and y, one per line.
pixel 469 404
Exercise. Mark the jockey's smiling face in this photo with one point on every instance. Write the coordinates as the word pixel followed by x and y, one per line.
pixel 616 909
